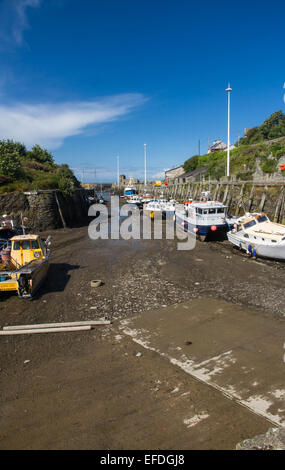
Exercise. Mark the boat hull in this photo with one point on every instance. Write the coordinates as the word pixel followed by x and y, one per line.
pixel 201 230
pixel 27 280
pixel 273 251
pixel 154 214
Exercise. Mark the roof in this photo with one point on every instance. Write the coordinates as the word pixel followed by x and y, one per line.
pixel 196 172
pixel 218 144
pixel 25 237
pixel 208 204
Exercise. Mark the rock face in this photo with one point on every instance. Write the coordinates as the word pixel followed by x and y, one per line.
pixel 274 439
pixel 46 210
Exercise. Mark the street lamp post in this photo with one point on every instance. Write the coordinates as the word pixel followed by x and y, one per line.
pixel 228 90
pixel 145 167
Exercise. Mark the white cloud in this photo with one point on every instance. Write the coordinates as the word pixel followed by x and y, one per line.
pixel 50 124
pixel 13 19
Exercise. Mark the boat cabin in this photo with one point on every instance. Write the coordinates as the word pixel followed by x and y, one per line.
pixel 26 248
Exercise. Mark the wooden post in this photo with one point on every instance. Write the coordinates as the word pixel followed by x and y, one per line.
pixel 278 206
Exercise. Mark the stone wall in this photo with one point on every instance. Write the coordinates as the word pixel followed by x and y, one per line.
pixel 46 210
pixel 240 197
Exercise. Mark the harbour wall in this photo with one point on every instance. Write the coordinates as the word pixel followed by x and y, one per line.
pixel 46 210
pixel 238 196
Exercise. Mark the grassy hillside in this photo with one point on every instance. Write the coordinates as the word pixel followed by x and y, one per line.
pixel 26 170
pixel 244 158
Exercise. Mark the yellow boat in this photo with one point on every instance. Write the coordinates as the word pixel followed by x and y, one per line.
pixel 24 265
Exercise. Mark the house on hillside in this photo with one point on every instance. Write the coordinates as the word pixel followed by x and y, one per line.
pixel 219 145
pixel 174 172
pixel 194 175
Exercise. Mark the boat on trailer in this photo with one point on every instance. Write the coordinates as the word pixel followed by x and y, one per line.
pixel 258 236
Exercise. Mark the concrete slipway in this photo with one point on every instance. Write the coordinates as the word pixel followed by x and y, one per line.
pixel 236 351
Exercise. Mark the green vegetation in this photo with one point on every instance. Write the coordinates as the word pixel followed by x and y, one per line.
pixel 252 149
pixel 26 170
pixel 272 128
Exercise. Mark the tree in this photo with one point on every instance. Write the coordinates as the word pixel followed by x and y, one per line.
pixel 10 164
pixel 191 164
pixel 272 128
pixel 41 155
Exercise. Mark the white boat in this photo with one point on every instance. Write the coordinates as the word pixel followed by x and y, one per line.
pixel 202 217
pixel 136 200
pixel 169 208
pixel 145 198
pixel 258 236
pixel 153 209
pixel 130 191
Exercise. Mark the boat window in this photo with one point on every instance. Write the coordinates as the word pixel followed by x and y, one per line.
pixel 246 235
pixel 205 211
pixel 212 211
pixel 249 224
pixel 16 245
pixel 26 244
pixel 274 241
pixel 198 210
pixel 262 218
pixel 220 210
pixel 35 244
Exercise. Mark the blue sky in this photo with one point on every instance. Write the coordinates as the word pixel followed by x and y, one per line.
pixel 91 79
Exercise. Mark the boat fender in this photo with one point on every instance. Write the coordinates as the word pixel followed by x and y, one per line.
pixel 254 253
pixel 249 250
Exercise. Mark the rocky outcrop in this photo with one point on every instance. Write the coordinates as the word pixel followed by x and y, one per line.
pixel 274 439
pixel 46 210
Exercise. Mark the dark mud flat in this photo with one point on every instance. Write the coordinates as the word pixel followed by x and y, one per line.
pixel 90 390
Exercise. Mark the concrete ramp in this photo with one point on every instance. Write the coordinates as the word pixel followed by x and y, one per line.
pixel 238 351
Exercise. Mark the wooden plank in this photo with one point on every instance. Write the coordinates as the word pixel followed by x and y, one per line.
pixel 44 330
pixel 56 325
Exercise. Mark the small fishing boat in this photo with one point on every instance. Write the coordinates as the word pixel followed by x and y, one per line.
pixel 24 264
pixel 153 209
pixel 145 198
pixel 135 200
pixel 258 236
pixel 202 217
pixel 169 208
pixel 130 191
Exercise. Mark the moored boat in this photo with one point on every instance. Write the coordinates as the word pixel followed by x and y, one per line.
pixel 24 265
pixel 169 208
pixel 135 200
pixel 258 236
pixel 202 217
pixel 153 209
